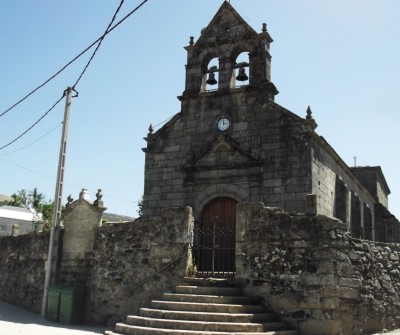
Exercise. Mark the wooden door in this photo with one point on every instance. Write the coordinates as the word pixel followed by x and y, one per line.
pixel 218 238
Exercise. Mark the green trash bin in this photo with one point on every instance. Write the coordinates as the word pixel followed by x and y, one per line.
pixel 71 305
pixel 53 303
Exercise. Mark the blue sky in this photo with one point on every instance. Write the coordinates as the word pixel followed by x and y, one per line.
pixel 338 56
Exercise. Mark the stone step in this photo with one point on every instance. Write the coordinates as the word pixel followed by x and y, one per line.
pixel 206 307
pixel 270 326
pixel 216 282
pixel 208 290
pixel 206 316
pixel 217 299
pixel 194 325
pixel 136 330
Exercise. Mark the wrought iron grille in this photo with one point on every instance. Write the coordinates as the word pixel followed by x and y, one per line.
pixel 214 249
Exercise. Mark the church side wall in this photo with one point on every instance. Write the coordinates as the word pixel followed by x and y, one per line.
pixel 381 195
pixel 312 273
pixel 326 171
pixel 387 227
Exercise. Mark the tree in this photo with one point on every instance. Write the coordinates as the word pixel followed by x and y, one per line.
pixel 140 207
pixel 19 199
pixel 25 198
pixel 36 200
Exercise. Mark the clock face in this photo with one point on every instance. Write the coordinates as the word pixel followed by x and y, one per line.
pixel 223 123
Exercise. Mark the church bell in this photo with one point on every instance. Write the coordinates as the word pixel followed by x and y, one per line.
pixel 211 76
pixel 211 79
pixel 242 76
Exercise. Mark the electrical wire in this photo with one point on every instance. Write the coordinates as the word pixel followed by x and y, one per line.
pixel 40 119
pixel 98 44
pixel 99 41
pixel 165 121
pixel 33 142
pixel 67 184
pixel 73 60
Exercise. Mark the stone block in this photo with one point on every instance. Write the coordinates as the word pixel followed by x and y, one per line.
pixel 240 126
pixel 312 279
pixel 294 206
pixel 323 327
pixel 330 303
pixel 310 302
pixel 300 188
pixel 350 282
pixel 347 292
pixel 273 183
pixel 326 266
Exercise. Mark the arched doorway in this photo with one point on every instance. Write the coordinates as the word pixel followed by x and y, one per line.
pixel 215 238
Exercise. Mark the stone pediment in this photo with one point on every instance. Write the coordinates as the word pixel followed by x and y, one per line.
pixel 222 151
pixel 226 26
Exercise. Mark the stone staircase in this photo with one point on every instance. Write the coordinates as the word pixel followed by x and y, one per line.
pixel 204 307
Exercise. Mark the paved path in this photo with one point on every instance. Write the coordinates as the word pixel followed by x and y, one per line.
pixel 17 321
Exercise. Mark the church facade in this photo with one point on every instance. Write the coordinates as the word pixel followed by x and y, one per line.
pixel 232 143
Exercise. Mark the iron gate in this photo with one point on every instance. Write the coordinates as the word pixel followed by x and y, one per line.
pixel 214 249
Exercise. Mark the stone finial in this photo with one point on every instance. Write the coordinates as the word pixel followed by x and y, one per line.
pixel 310 120
pixel 309 113
pixel 98 202
pixel 149 134
pixel 191 42
pixel 84 195
pixel 69 200
pixel 264 28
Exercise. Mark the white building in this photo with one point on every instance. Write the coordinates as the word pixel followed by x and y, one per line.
pixel 23 217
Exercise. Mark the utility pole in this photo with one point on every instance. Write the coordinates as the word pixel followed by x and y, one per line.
pixel 52 258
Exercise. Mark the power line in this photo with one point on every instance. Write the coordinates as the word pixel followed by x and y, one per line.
pixel 40 119
pixel 73 60
pixel 67 184
pixel 99 41
pixel 33 142
pixel 98 44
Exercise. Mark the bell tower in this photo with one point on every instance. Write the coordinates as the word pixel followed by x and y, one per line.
pixel 217 149
pixel 224 39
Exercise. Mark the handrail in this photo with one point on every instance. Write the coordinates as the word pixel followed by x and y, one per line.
pixel 155 273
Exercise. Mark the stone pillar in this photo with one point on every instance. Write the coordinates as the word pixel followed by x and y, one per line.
pixel 341 201
pixel 15 230
pixel 356 219
pixel 81 220
pixel 311 204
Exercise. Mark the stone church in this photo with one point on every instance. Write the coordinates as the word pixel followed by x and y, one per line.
pixel 232 143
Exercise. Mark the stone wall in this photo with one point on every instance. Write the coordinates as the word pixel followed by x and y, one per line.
pixel 311 272
pixel 22 269
pixel 121 266
pixel 307 268
pixel 134 262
